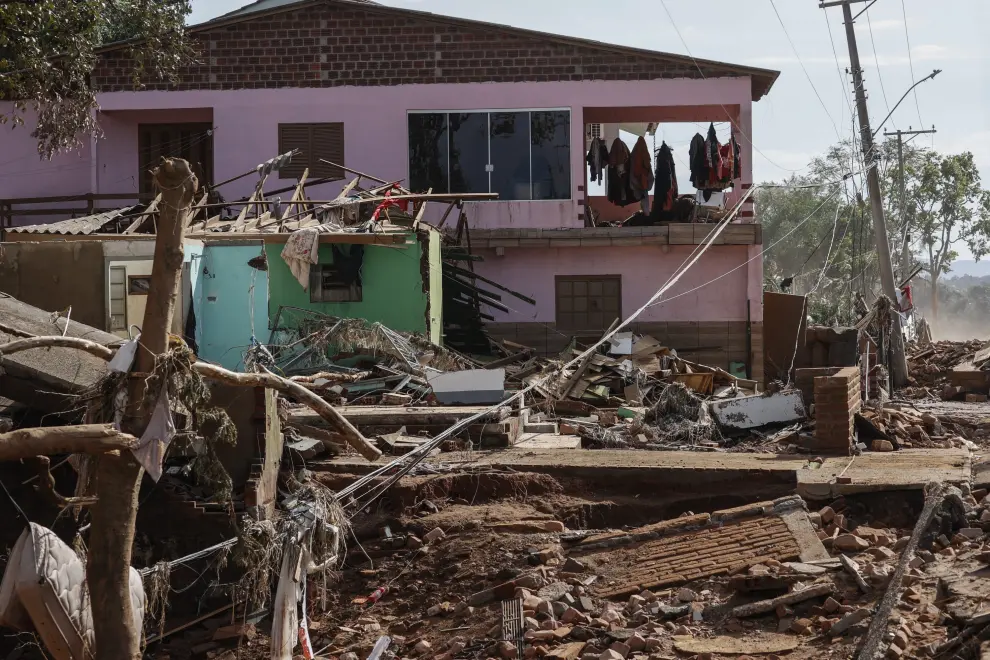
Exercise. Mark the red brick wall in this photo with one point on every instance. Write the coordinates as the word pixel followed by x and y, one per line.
pixel 330 46
pixel 837 400
pixel 804 380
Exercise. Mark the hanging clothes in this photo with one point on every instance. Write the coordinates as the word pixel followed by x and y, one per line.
pixel 698 162
pixel 665 189
pixel 597 159
pixel 737 162
pixel 641 173
pixel 619 191
pixel 300 252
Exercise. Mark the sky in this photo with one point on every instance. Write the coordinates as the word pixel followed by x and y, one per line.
pixel 808 108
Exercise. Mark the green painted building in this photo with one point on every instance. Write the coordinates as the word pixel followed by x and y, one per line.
pixel 400 283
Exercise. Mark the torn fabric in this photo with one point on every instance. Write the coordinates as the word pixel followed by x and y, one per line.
pixel 301 251
pixel 154 442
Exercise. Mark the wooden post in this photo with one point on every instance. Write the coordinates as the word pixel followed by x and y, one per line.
pixel 118 478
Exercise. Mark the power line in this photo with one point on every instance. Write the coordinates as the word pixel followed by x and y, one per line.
pixel 876 59
pixel 907 38
pixel 704 77
pixel 747 262
pixel 803 68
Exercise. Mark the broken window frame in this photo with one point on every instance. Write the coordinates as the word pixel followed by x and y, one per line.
pixel 140 290
pixel 326 285
pixel 445 158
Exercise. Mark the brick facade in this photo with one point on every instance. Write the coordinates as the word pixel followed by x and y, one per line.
pixel 837 399
pixel 335 44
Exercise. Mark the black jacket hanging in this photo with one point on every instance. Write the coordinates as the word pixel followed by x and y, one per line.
pixel 665 188
pixel 699 164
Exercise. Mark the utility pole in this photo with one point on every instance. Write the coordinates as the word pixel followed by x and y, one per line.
pixel 899 371
pixel 905 251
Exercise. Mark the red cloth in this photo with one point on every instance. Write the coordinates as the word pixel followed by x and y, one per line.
pixel 402 203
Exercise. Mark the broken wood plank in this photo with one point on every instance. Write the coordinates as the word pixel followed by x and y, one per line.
pixel 853 569
pixel 151 210
pixel 769 605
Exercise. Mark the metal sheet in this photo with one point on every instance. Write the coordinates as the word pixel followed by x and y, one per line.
pixel 750 412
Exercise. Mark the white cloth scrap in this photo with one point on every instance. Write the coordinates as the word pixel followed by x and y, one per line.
pixel 154 442
pixel 124 357
pixel 300 252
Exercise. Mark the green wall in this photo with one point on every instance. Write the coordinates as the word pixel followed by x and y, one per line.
pixel 392 287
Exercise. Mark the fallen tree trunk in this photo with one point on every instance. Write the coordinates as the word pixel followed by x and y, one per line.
pixel 213 372
pixel 84 439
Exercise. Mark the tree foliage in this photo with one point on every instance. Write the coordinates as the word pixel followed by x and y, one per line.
pixel 944 206
pixel 49 47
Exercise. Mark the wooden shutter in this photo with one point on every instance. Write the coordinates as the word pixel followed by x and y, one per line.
pixel 294 136
pixel 328 143
pixel 315 141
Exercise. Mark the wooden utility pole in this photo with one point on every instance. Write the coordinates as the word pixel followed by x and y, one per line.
pixel 905 242
pixel 118 477
pixel 899 367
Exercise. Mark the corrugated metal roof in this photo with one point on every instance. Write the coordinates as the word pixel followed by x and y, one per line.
pixel 85 225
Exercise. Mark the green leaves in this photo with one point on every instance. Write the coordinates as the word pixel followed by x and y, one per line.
pixel 944 208
pixel 48 49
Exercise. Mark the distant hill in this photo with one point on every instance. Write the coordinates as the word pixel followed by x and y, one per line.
pixel 968 267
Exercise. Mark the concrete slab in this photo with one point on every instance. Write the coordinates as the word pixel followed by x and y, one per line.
pixel 909 469
pixel 548 441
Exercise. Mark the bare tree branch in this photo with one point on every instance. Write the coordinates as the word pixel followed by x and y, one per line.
pixel 81 439
pixel 213 372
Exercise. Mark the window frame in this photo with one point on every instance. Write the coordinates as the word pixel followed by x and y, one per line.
pixel 355 290
pixel 110 298
pixel 489 111
pixel 133 278
pixel 607 277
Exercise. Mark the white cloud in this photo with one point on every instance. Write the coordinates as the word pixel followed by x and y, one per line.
pixel 883 25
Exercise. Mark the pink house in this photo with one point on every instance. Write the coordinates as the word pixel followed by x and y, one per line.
pixel 453 105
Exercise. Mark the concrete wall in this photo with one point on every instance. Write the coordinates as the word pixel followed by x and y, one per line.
pixel 644 269
pixel 392 287
pixel 233 302
pixel 24 173
pixel 55 275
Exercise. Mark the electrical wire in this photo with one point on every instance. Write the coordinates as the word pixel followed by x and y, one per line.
pixel 907 39
pixel 745 137
pixel 876 59
pixel 805 69
pixel 748 261
pixel 403 465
